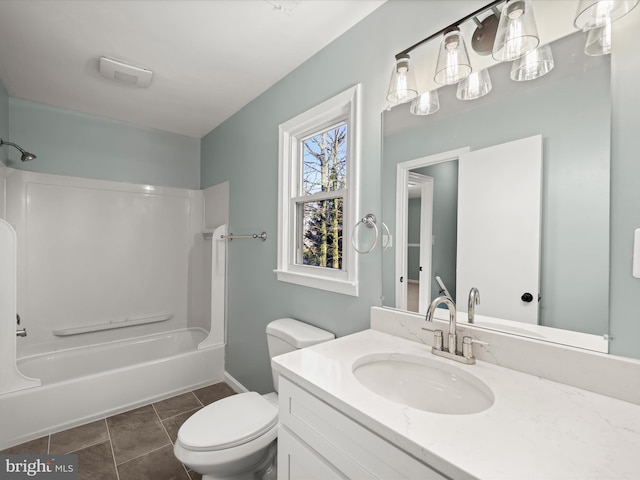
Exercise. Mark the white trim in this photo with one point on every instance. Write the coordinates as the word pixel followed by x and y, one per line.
pixel 316 281
pixel 235 384
pixel 426 243
pixel 345 104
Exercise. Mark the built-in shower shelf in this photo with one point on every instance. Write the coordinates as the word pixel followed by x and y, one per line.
pixel 127 322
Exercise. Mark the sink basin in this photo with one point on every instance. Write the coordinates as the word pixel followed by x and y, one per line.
pixel 422 383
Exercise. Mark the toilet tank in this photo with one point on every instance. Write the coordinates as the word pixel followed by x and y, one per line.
pixel 286 335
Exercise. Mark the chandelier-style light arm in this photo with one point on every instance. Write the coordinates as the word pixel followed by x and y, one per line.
pixel 478 12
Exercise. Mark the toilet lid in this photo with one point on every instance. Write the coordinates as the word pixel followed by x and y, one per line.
pixel 229 422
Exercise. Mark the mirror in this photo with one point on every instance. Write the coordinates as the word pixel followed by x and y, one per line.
pixel 570 108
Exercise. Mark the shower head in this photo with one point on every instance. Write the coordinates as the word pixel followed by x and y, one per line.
pixel 26 156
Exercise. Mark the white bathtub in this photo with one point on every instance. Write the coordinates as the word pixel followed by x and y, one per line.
pixel 83 384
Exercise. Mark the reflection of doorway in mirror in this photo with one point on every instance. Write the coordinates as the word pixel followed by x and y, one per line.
pixel 437 237
pixel 419 235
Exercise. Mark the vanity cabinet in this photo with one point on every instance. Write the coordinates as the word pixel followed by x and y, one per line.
pixel 317 441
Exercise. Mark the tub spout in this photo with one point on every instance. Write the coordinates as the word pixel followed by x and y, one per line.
pixel 21 332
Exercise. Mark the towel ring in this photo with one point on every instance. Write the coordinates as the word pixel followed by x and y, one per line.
pixel 388 243
pixel 368 221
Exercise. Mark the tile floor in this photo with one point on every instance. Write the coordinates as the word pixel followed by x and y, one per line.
pixel 134 445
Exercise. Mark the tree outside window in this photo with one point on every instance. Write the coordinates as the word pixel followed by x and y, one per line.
pixel 324 169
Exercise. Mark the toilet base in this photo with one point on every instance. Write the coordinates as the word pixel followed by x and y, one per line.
pixel 266 469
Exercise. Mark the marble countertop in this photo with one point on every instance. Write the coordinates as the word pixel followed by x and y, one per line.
pixel 536 429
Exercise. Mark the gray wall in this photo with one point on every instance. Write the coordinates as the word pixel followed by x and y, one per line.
pixel 244 151
pixel 81 145
pixel 445 228
pixel 625 193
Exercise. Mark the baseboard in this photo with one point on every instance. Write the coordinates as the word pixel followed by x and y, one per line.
pixel 235 384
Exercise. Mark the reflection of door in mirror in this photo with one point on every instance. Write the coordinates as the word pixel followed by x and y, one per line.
pixel 499 200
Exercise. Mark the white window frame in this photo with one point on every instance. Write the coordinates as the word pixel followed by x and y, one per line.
pixel 342 107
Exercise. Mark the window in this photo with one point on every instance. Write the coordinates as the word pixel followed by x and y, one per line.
pixel 318 195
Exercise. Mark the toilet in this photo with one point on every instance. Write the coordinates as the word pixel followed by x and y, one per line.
pixel 235 438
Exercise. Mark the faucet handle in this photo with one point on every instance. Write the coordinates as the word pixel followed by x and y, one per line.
pixel 437 339
pixel 467 346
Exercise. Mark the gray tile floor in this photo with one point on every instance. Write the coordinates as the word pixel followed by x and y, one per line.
pixel 134 445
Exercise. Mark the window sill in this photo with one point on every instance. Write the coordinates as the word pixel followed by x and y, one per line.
pixel 315 281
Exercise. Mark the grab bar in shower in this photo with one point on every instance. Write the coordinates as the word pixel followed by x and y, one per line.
pixel 262 236
pixel 127 322
pixel 208 233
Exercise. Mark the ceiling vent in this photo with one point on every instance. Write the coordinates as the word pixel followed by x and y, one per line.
pixel 121 72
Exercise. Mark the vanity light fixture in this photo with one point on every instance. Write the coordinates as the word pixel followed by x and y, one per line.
pixel 597 13
pixel 403 81
pixel 598 40
pixel 476 85
pixel 596 17
pixel 454 64
pixel 453 60
pixel 532 65
pixel 484 35
pixel 517 31
pixel 507 30
pixel 425 104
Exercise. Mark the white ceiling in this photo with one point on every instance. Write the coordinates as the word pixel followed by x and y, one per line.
pixel 209 57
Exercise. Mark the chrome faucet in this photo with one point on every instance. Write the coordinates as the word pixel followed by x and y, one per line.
pixel 452 338
pixel 474 299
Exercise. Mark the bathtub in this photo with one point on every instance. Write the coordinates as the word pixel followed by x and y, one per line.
pixel 83 384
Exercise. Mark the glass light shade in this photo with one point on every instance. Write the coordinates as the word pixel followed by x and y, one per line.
pixel 596 13
pixel 476 85
pixel 426 104
pixel 598 41
pixel 517 31
pixel 453 60
pixel 403 82
pixel 533 65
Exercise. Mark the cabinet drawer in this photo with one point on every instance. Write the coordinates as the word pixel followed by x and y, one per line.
pixel 351 448
pixel 296 461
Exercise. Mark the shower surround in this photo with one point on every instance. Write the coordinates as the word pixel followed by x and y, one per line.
pixel 127 265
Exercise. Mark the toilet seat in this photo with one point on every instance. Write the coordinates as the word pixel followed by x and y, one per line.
pixel 229 422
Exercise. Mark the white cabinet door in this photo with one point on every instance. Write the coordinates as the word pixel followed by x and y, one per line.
pixel 499 203
pixel 296 461
pixel 341 445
